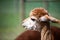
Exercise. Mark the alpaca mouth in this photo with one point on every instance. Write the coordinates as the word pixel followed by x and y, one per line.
pixel 30 28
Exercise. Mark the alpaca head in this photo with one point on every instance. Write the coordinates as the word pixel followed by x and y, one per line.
pixel 36 17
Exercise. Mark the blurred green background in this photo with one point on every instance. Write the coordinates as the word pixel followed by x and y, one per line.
pixel 12 12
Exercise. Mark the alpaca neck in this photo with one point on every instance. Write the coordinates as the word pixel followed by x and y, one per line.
pixel 46 32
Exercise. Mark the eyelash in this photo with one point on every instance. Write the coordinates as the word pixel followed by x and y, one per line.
pixel 32 19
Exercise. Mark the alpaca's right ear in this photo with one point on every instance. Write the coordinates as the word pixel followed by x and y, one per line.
pixel 52 19
pixel 43 18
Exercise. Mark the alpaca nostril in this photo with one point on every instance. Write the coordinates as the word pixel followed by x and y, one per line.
pixel 23 25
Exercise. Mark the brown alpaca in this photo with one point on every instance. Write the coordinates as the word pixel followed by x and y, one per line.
pixel 38 24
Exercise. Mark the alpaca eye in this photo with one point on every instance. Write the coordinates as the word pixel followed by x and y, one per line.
pixel 32 19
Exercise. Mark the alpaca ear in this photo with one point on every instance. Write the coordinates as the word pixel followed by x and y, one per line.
pixel 43 18
pixel 52 19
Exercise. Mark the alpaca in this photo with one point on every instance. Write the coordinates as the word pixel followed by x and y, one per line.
pixel 39 21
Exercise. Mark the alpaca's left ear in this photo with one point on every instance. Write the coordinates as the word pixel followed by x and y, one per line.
pixel 52 19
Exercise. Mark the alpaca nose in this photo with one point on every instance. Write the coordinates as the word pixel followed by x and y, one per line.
pixel 23 25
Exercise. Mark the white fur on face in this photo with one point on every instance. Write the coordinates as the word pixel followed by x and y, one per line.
pixel 29 23
pixel 33 24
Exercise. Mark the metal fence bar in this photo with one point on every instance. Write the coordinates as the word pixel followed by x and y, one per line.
pixel 22 9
